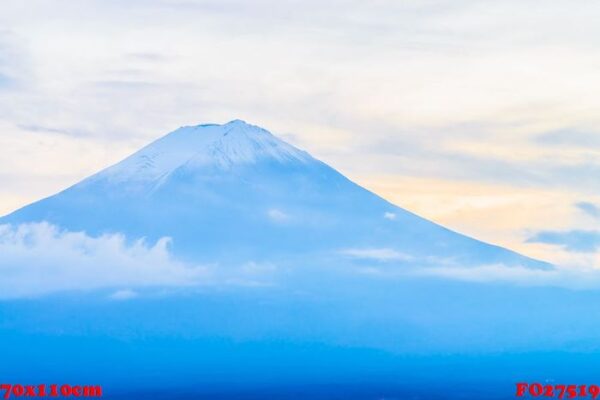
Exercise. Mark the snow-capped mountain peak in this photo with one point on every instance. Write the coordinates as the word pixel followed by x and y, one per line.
pixel 232 193
pixel 206 145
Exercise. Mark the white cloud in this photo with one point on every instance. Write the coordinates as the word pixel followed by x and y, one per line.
pixel 377 254
pixel 38 258
pixel 389 215
pixel 278 215
pixel 124 294
pixel 565 277
pixel 498 273
pixel 573 278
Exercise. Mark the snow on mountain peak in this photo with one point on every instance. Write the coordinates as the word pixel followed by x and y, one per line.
pixel 222 146
pixel 233 192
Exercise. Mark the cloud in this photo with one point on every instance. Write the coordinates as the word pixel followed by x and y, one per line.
pixel 564 277
pixel 569 137
pixel 389 215
pixel 574 240
pixel 48 129
pixel 497 273
pixel 277 215
pixel 11 62
pixel 5 82
pixel 125 294
pixel 376 254
pixel 572 278
pixel 589 208
pixel 150 57
pixel 39 258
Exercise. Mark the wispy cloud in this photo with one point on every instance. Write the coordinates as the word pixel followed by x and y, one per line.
pixel 377 254
pixel 48 129
pixel 570 138
pixel 123 294
pixel 278 215
pixel 5 81
pixel 389 215
pixel 574 240
pixel 589 208
pixel 38 259
pixel 564 277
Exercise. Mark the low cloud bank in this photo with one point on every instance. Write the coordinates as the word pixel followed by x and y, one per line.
pixel 39 258
pixel 563 277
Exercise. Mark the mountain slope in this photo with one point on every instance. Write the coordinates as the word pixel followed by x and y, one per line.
pixel 234 193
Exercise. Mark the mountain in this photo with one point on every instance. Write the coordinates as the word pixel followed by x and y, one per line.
pixel 234 193
pixel 313 302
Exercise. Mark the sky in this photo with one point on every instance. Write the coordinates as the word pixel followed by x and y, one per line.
pixel 480 115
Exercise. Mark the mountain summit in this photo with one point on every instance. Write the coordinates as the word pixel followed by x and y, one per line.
pixel 234 193
pixel 205 146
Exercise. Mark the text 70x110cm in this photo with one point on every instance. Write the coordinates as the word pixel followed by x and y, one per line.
pixel 8 390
